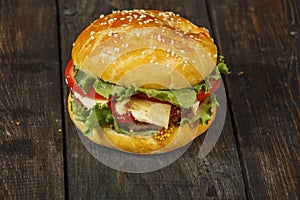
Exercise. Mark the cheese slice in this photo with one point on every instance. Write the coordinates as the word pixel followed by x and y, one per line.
pixel 150 112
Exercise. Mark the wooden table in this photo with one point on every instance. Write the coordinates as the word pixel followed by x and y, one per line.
pixel 256 157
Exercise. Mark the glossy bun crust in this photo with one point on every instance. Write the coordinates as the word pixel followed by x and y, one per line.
pixel 153 49
pixel 142 144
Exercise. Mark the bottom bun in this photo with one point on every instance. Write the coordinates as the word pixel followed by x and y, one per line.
pixel 142 144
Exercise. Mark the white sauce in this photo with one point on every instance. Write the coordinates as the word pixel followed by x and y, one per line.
pixel 88 102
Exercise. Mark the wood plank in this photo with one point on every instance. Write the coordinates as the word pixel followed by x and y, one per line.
pixel 216 176
pixel 261 41
pixel 31 147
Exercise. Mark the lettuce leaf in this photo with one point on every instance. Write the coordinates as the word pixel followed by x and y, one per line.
pixel 84 80
pixel 205 113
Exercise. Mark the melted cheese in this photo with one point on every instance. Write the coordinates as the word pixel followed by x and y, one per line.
pixel 150 112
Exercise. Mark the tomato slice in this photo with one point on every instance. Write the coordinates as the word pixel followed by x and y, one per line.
pixel 69 74
pixel 215 84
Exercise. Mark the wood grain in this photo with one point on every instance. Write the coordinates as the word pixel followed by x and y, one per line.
pixel 261 41
pixel 31 148
pixel 216 176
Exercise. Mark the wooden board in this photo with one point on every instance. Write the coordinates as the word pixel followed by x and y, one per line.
pixel 216 176
pixel 31 148
pixel 260 40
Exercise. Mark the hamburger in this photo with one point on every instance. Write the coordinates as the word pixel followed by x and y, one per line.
pixel 143 81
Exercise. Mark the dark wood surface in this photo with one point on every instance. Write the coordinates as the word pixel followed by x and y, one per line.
pixel 256 157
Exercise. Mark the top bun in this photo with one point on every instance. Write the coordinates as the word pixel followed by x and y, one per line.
pixel 151 48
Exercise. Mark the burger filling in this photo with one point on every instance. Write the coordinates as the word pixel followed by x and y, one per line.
pixel 139 111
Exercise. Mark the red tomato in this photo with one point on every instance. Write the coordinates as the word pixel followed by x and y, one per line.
pixel 215 84
pixel 69 74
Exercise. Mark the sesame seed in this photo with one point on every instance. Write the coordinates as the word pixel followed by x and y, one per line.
pixel 116 49
pixel 168 50
pixel 115 41
pixel 101 16
pixel 121 38
pixel 151 61
pixel 122 18
pixel 215 55
pixel 172 53
pixel 110 21
pixel 135 16
pixel 92 37
pixel 140 23
pixel 158 37
pixel 172 42
pixel 191 36
pixel 115 34
pixel 126 45
pixel 73 44
pixel 154 47
pixel 208 54
pixel 193 61
pixel 110 34
pixel 143 52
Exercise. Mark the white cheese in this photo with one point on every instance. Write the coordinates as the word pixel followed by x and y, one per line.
pixel 88 102
pixel 195 107
pixel 150 112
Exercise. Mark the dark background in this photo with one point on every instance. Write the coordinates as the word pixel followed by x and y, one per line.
pixel 256 157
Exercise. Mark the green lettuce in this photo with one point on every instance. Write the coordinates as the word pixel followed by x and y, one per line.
pixel 205 113
pixel 84 80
